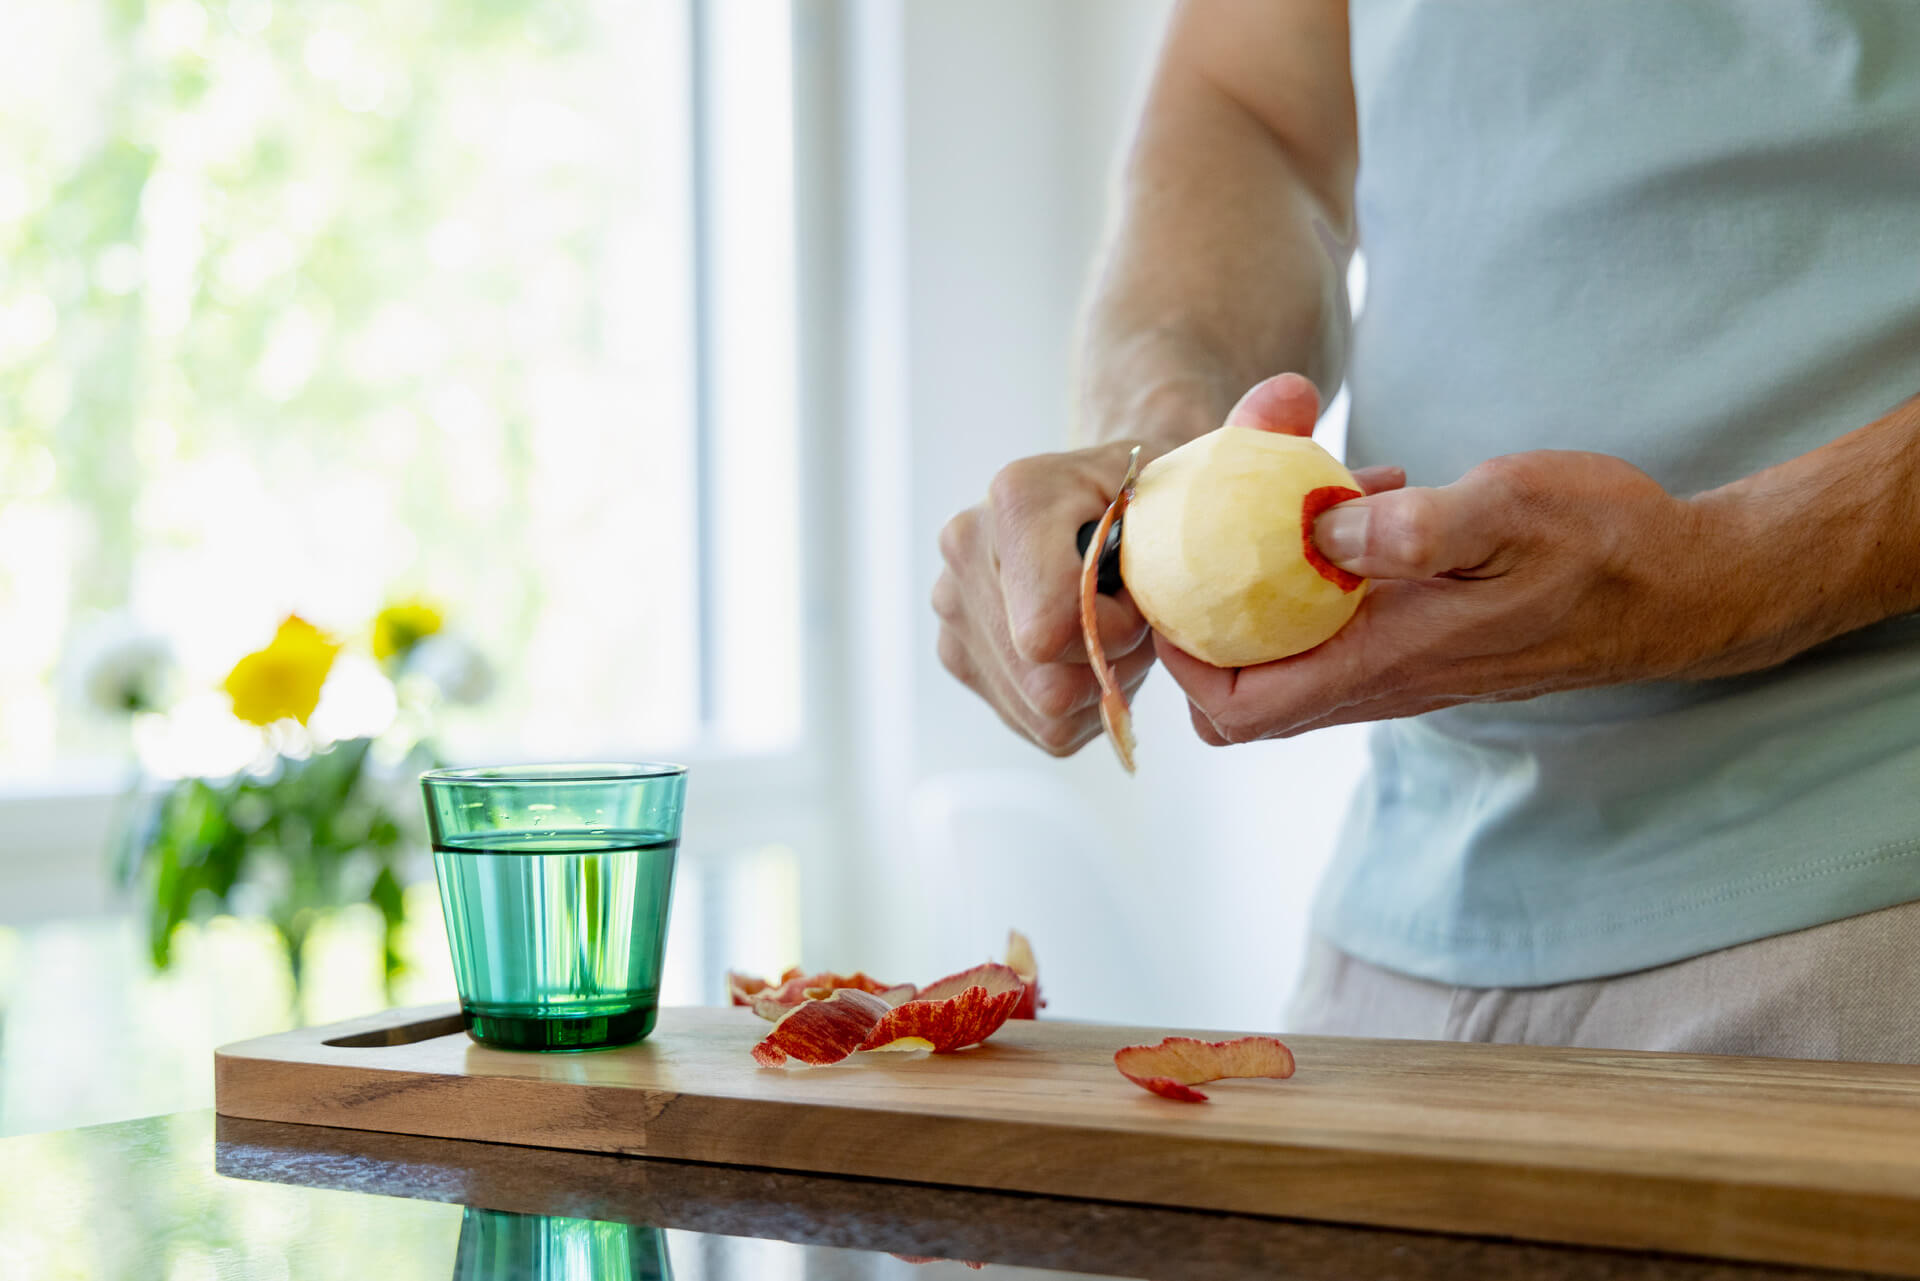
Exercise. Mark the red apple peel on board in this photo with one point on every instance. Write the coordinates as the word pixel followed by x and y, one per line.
pixel 948 1014
pixel 952 1013
pixel 1020 961
pixel 772 998
pixel 1172 1068
pixel 742 988
pixel 771 1001
pixel 822 1031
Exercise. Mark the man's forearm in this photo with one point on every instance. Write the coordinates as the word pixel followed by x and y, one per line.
pixel 1820 544
pixel 1228 264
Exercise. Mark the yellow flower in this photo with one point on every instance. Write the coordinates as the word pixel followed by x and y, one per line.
pixel 401 626
pixel 283 680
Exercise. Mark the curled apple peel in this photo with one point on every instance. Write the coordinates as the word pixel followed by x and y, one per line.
pixel 1020 961
pixel 822 1031
pixel 1115 716
pixel 772 998
pixel 951 1013
pixel 958 1011
pixel 742 988
pixel 1171 1068
pixel 771 1001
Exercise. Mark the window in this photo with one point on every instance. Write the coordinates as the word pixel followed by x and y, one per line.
pixel 303 306
pixel 307 306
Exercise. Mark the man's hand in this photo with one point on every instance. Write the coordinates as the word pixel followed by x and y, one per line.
pixel 1534 572
pixel 1009 598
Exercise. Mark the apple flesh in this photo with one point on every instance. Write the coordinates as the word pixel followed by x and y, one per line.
pixel 1218 547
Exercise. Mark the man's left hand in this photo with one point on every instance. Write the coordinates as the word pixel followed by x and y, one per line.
pixel 1534 572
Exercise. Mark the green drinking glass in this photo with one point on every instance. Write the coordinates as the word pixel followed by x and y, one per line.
pixel 499 1246
pixel 555 882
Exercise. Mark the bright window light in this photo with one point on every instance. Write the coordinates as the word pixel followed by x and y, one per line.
pixel 305 306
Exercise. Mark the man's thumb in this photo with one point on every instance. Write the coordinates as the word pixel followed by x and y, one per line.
pixel 1285 403
pixel 1407 533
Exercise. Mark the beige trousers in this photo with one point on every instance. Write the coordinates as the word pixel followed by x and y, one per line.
pixel 1848 990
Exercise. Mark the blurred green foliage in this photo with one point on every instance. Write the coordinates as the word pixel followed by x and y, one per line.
pixel 316 833
pixel 347 253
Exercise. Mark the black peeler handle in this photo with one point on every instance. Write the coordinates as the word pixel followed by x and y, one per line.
pixel 1108 582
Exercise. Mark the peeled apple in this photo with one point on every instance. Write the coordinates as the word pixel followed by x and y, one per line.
pixel 1218 548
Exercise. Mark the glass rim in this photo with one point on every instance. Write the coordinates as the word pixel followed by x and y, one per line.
pixel 558 772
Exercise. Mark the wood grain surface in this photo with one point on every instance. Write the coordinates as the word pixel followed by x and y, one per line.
pixel 1760 1159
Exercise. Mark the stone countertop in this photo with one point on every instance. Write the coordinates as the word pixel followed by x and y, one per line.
pixel 191 1195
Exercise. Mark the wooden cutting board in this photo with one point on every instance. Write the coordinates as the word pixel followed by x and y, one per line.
pixel 1764 1159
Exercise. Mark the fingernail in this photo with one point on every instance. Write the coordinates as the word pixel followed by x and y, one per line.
pixel 1342 533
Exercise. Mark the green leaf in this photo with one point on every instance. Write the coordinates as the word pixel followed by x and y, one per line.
pixel 387 896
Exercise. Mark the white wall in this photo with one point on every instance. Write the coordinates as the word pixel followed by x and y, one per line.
pixel 987 134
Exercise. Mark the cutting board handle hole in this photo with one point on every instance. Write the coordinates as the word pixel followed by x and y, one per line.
pixel 404 1034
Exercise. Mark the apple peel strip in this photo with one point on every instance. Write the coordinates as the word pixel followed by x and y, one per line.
pixel 742 988
pixel 1114 715
pixel 958 1011
pixel 950 1014
pixel 772 998
pixel 1020 961
pixel 771 1001
pixel 822 1031
pixel 1173 1067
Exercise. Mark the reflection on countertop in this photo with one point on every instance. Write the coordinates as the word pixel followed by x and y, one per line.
pixel 191 1196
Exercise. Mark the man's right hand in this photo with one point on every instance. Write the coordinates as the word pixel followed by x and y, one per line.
pixel 1009 597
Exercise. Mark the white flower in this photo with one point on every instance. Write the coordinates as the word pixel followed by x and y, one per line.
pixel 122 669
pixel 453 666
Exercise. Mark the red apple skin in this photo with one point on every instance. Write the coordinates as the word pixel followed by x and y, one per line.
pixel 1311 507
